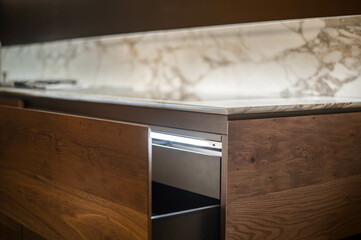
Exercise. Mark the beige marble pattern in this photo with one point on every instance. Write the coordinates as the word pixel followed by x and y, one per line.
pixel 312 57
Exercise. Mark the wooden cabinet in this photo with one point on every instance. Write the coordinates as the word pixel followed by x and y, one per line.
pixel 66 176
pixel 71 177
pixel 294 177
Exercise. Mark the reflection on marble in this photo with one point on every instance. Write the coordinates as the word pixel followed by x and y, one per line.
pixel 216 105
pixel 313 57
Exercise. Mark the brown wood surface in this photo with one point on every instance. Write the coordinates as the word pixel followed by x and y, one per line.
pixel 331 210
pixel 68 177
pixel 294 177
pixel 9 229
pixel 15 102
pixel 30 235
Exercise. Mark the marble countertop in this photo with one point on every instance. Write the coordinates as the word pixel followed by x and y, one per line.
pixel 215 104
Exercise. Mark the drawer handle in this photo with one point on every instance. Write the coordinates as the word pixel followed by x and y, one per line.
pixel 185 143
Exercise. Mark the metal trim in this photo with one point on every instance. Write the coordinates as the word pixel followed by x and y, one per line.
pixel 183 212
pixel 186 143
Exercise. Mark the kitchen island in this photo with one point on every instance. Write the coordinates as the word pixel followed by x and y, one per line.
pixel 290 168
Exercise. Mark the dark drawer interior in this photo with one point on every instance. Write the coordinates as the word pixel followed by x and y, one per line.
pixel 179 214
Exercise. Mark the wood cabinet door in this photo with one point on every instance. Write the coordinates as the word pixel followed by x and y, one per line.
pixel 72 177
pixel 294 177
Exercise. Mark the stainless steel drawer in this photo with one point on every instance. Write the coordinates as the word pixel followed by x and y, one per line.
pixel 185 187
pixel 187 163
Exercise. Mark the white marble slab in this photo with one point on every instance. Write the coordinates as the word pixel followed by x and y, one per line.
pixel 318 57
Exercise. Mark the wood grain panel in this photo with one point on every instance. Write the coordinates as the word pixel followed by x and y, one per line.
pixel 9 229
pixel 279 154
pixel 269 155
pixel 328 211
pixel 30 235
pixel 61 212
pixel 69 177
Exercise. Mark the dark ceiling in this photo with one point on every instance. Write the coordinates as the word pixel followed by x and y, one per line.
pixel 26 21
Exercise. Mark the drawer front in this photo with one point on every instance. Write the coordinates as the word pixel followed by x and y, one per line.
pixel 200 224
pixel 190 171
pixel 71 177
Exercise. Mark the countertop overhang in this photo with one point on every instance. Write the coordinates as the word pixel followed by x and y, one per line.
pixel 223 105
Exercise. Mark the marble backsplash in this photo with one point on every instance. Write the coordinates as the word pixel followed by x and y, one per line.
pixel 318 57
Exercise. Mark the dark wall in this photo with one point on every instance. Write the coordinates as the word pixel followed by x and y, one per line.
pixel 25 21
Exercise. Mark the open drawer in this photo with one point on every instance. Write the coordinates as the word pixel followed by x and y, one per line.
pixel 72 177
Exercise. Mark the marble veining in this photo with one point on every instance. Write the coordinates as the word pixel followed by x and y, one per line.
pixel 312 57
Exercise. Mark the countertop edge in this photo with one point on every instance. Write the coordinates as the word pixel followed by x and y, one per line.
pixel 192 107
